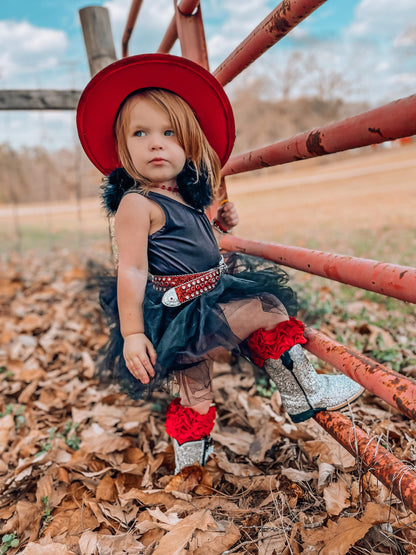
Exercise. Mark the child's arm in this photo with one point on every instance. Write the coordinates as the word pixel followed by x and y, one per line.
pixel 132 224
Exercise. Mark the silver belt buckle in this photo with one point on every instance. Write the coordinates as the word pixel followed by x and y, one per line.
pixel 170 298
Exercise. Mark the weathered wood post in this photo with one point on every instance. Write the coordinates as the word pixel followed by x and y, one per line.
pixel 98 37
pixel 99 44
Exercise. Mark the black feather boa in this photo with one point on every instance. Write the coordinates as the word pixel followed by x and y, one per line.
pixel 195 189
pixel 113 188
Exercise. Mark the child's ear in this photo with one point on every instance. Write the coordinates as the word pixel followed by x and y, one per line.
pixel 113 188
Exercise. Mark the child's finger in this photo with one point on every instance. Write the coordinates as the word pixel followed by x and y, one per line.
pixel 144 359
pixel 137 369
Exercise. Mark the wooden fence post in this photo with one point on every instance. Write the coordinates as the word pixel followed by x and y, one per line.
pixel 98 37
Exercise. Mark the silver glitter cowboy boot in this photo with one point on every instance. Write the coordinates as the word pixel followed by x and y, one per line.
pixel 303 391
pixel 192 452
pixel 190 434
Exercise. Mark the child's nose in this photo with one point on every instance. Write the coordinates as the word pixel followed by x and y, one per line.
pixel 156 142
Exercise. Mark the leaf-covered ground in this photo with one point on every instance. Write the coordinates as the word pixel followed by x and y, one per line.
pixel 85 470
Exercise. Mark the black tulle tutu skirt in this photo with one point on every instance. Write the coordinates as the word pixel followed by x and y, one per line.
pixel 184 335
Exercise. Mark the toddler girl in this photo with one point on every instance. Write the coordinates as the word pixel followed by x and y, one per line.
pixel 160 127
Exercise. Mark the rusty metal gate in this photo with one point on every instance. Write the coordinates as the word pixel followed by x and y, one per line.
pixel 389 122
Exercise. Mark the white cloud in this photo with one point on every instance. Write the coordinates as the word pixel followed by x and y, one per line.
pixel 381 31
pixel 407 79
pixel 381 19
pixel 26 51
pixel 239 19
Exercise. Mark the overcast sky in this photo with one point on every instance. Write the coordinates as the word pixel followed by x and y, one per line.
pixel 371 43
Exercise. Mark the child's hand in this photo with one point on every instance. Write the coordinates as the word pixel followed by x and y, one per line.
pixel 140 356
pixel 227 215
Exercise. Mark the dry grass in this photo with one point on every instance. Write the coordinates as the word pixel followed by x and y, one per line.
pixel 328 203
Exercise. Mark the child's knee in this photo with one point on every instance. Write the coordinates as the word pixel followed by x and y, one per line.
pixel 202 407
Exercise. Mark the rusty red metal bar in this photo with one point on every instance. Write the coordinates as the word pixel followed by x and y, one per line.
pixel 273 28
pixel 392 121
pixel 131 21
pixel 388 279
pixel 191 35
pixel 393 473
pixel 185 7
pixel 397 390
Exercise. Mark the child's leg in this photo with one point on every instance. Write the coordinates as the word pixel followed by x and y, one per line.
pixel 246 316
pixel 190 418
pixel 195 386
pixel 274 342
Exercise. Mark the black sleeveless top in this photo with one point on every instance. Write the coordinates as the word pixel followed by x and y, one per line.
pixel 185 244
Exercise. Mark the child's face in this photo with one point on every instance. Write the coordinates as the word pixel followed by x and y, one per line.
pixel 152 144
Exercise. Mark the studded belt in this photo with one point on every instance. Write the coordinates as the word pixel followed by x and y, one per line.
pixel 186 287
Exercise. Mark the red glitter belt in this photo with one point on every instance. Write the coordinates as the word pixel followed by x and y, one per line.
pixel 183 288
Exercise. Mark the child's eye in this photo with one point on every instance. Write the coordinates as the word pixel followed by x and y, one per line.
pixel 140 133
pixel 169 133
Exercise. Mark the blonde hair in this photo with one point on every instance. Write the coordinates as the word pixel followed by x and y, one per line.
pixel 187 130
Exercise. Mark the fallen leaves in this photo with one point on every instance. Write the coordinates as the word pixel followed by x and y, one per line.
pixel 84 470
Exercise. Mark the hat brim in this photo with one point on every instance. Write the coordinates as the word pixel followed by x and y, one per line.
pixel 101 99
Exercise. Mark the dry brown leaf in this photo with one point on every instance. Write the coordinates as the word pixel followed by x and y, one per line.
pixel 378 491
pixel 29 516
pixel 6 427
pixel 218 502
pixel 152 536
pixel 157 498
pixel 31 322
pixel 113 511
pixel 373 333
pixel 266 437
pixel 272 543
pixel 106 489
pixel 214 543
pixel 189 479
pixel 170 518
pixel 51 548
pixel 95 439
pixel 298 475
pixel 254 483
pixel 336 497
pixel 88 543
pixel 238 441
pixel 237 469
pixel 174 541
pixel 337 538
pixel 44 488
pixel 325 473
pixel 120 543
pixel 329 451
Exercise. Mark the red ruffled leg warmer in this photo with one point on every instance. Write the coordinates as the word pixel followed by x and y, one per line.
pixel 185 424
pixel 265 344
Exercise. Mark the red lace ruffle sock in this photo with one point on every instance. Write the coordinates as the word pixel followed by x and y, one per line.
pixel 185 424
pixel 266 344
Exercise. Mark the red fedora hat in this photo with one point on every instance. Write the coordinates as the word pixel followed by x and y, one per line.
pixel 102 97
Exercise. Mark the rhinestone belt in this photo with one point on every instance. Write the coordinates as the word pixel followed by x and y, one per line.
pixel 183 288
